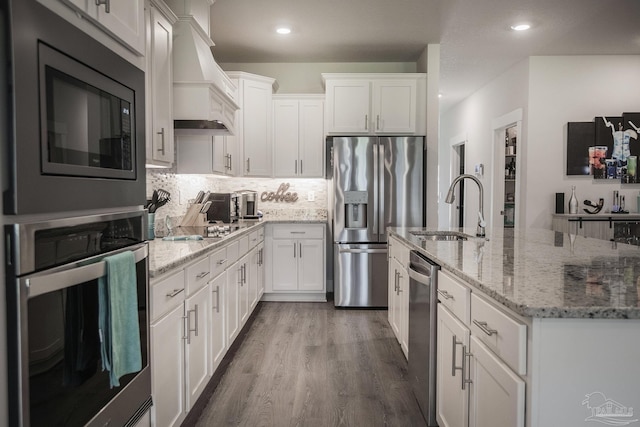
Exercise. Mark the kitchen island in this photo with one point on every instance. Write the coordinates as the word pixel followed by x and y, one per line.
pixel 547 323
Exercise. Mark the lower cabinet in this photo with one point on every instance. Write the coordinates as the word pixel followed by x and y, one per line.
pixel 476 387
pixel 297 263
pixel 196 313
pixel 197 348
pixel 398 296
pixel 167 369
pixel 218 322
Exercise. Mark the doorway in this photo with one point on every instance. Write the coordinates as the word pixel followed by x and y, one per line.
pixel 458 168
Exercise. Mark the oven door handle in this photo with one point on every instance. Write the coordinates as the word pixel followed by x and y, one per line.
pixel 42 283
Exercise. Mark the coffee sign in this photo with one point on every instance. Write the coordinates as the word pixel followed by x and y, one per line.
pixel 281 195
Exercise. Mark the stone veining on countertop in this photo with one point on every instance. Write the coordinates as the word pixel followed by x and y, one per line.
pixel 542 273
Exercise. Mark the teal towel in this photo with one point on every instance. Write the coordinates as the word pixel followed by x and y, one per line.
pixel 118 318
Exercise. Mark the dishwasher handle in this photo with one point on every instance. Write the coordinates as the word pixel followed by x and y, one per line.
pixel 419 277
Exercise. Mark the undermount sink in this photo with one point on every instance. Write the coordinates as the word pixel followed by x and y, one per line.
pixel 440 235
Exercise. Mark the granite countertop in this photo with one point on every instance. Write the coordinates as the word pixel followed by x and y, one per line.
pixel 165 256
pixel 604 216
pixel 543 273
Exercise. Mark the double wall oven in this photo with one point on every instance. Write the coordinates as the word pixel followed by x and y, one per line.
pixel 73 186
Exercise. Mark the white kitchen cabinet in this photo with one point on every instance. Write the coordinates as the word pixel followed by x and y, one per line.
pixel 206 154
pixel 453 398
pixel 198 345
pixel 253 131
pixel 497 394
pixel 261 271
pixel 476 386
pixel 159 84
pixel 232 303
pixel 298 135
pixel 218 336
pixel 296 267
pixel 375 103
pixel 167 369
pixel 121 19
pixel 398 301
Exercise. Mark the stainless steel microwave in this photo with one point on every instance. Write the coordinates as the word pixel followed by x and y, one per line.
pixel 75 129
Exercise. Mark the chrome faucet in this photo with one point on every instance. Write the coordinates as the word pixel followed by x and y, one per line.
pixel 451 197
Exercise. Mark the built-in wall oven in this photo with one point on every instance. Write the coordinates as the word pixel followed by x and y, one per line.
pixel 55 335
pixel 76 125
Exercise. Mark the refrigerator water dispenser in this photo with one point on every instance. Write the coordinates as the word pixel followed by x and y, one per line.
pixel 355 205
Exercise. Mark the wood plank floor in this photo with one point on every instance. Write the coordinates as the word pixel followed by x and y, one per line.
pixel 308 364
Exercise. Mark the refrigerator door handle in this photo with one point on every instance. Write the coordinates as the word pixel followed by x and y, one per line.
pixel 381 229
pixel 363 251
pixel 376 188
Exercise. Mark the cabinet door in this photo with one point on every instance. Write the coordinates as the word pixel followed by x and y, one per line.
pixel 285 136
pixel 198 310
pixel 231 306
pixel 195 154
pixel 125 21
pixel 285 264
pixel 254 268
pixel 348 104
pixel 218 336
pixel 256 109
pixel 453 401
pixel 261 270
pixel 219 160
pixel 395 321
pixel 161 84
pixel 394 106
pixel 167 369
pixel 311 139
pixel 244 289
pixel 311 265
pixel 496 394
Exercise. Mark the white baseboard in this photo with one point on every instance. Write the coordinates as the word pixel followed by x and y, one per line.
pixel 294 297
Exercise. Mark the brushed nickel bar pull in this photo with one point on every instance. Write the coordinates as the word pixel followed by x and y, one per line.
pixel 296 166
pixel 217 291
pixel 455 368
pixel 465 355
pixel 222 261
pixel 484 328
pixel 203 274
pixel 297 232
pixel 300 249
pixel 174 293
pixel 445 295
pixel 300 167
pixel 248 165
pixel 366 122
pixel 294 249
pixel 399 288
pixel 196 314
pixel 161 133
pixel 106 3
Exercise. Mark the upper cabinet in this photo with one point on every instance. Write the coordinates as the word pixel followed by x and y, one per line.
pixel 298 136
pixel 253 123
pixel 159 85
pixel 121 19
pixel 206 154
pixel 375 103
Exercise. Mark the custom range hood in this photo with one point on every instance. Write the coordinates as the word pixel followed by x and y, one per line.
pixel 204 98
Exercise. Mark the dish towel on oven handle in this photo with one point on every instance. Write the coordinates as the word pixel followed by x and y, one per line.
pixel 118 317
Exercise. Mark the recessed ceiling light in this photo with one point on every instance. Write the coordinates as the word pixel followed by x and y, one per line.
pixel 283 30
pixel 439 95
pixel 520 27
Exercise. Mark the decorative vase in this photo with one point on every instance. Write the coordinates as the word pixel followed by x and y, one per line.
pixel 573 201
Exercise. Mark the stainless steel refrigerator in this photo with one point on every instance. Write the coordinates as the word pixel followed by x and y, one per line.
pixel 377 182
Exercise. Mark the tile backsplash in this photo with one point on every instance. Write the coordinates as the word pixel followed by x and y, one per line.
pixel 311 204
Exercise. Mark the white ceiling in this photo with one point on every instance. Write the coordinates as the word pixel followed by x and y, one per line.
pixel 475 40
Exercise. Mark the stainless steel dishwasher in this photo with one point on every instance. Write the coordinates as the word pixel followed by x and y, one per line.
pixel 423 302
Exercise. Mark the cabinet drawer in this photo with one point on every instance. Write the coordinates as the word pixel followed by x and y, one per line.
pixel 243 245
pixel 295 231
pixel 218 262
pixel 166 295
pixel 233 252
pixel 198 274
pixel 254 239
pixel 261 234
pixel 454 295
pixel 505 336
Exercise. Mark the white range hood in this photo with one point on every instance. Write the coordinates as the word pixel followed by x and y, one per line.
pixel 204 98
